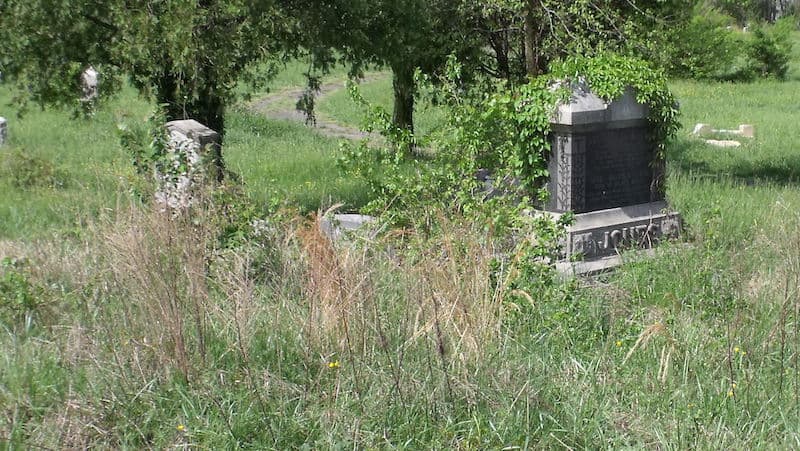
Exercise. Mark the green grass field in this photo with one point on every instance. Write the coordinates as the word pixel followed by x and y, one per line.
pixel 122 329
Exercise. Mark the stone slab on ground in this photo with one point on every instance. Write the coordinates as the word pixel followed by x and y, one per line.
pixel 336 226
pixel 593 267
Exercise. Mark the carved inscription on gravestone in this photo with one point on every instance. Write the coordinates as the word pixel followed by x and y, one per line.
pixel 613 238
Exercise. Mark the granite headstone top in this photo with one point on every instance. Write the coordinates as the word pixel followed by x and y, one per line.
pixel 600 154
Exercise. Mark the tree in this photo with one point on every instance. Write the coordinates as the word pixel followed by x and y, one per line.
pixel 757 10
pixel 523 36
pixel 187 54
pixel 405 35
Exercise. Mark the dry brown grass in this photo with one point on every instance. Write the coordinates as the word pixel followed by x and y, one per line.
pixel 442 294
pixel 451 285
pixel 160 262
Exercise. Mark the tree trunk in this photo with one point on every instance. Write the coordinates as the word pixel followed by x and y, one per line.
pixel 208 109
pixel 404 90
pixel 531 41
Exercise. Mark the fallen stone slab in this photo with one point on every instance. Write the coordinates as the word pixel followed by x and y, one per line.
pixel 337 226
pixel 723 143
pixel 3 131
pixel 744 130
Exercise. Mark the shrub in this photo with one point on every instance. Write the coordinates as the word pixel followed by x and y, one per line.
pixel 769 49
pixel 705 48
pixel 27 171
pixel 21 301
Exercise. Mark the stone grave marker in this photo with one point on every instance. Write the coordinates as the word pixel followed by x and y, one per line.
pixel 604 169
pixel 89 84
pixel 3 131
pixel 190 145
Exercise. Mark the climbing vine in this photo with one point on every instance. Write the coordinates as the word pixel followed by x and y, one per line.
pixel 503 132
pixel 609 74
pixel 488 165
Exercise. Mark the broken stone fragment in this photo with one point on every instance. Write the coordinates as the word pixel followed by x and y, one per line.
pixel 723 143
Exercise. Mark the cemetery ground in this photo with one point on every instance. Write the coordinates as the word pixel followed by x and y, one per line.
pixel 121 329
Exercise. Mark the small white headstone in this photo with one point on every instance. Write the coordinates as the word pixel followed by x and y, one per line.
pixel 89 84
pixel 702 130
pixel 3 131
pixel 747 130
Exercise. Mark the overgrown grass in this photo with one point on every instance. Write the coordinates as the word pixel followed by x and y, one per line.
pixel 56 171
pixel 145 332
pixel 286 163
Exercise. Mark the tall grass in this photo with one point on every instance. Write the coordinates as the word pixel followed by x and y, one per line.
pixel 141 331
pixel 376 344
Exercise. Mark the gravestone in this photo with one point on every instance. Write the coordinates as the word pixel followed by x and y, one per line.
pixel 89 84
pixel 604 169
pixel 192 148
pixel 337 226
pixel 3 131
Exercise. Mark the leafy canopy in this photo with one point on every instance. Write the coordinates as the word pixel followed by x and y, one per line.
pixel 187 54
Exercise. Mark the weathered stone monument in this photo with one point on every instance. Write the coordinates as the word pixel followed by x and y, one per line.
pixel 3 131
pixel 604 169
pixel 191 149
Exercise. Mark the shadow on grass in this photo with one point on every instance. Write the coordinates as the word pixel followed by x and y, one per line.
pixel 693 157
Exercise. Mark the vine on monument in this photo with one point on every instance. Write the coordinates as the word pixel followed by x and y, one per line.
pixel 505 133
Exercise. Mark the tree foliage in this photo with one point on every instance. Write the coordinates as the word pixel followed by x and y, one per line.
pixel 745 11
pixel 523 36
pixel 404 35
pixel 187 54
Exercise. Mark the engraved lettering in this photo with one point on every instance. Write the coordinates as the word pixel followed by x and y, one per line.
pixel 616 238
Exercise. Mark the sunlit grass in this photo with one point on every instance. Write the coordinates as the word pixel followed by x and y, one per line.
pixel 340 108
pixel 282 162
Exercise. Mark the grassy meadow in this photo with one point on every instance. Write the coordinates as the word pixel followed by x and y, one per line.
pixel 122 329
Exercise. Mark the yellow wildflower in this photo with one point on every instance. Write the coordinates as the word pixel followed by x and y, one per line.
pixel 334 365
pixel 619 343
pixel 180 428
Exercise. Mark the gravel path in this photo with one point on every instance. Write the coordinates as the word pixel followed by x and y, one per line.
pixel 280 105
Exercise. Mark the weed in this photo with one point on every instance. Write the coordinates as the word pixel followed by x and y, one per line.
pixel 27 171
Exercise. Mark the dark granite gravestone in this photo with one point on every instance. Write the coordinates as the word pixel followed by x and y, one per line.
pixel 604 169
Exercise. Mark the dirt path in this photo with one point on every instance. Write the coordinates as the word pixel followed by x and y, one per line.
pixel 281 105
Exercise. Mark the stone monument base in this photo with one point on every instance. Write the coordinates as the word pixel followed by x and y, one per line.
pixel 596 238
